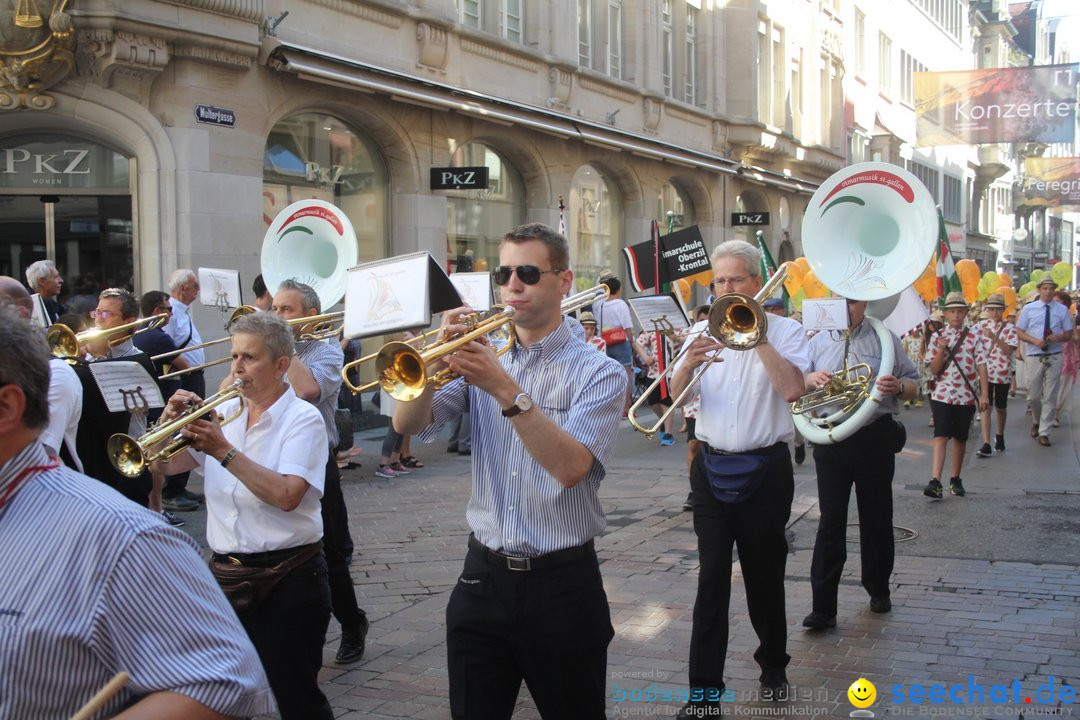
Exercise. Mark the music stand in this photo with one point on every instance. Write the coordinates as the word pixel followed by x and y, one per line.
pixel 659 313
pixel 220 288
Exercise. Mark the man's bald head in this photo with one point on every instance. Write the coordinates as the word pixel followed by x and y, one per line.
pixel 12 292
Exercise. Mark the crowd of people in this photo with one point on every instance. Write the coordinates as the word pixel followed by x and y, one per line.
pixel 539 421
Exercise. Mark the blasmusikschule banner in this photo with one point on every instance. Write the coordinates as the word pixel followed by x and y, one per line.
pixel 1051 182
pixel 1032 104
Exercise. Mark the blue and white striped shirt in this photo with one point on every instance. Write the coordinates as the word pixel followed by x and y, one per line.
pixel 85 579
pixel 516 506
pixel 324 360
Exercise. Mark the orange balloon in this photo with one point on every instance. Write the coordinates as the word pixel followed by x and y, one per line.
pixel 1005 279
pixel 927 288
pixel 803 264
pixel 1009 296
pixel 930 271
pixel 702 278
pixel 968 270
pixel 684 286
pixel 794 278
pixel 813 287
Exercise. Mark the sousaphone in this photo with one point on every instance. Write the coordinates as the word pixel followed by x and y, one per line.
pixel 313 242
pixel 868 233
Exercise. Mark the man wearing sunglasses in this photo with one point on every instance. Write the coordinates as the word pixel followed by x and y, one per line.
pixel 530 603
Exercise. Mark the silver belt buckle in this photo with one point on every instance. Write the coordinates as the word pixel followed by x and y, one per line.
pixel 521 564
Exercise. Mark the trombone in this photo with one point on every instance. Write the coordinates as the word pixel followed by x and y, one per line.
pixel 402 369
pixel 737 322
pixel 131 456
pixel 64 343
pixel 311 327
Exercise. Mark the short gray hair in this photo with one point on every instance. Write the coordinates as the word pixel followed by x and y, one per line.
pixel 129 306
pixel 308 297
pixel 742 250
pixel 277 335
pixel 178 278
pixel 24 361
pixel 38 271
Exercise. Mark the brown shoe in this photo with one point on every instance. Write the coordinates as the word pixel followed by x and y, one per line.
pixel 1034 431
pixel 1044 441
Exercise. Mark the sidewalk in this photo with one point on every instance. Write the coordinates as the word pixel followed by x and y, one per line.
pixel 989 587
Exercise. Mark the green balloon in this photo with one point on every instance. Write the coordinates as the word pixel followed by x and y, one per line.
pixel 1036 275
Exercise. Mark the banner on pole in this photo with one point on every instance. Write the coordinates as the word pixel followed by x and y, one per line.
pixel 682 254
pixel 969 107
pixel 1051 182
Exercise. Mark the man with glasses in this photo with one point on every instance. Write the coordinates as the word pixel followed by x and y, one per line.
pixel 530 602
pixel 183 287
pixel 742 482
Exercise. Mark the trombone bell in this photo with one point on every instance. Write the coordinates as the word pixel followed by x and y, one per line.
pixel 737 321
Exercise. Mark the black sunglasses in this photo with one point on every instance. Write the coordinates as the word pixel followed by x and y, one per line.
pixel 528 274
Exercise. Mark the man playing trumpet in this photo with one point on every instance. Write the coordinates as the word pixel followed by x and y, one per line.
pixel 530 602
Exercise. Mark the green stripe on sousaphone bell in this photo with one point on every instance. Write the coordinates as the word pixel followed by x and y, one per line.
pixel 844 199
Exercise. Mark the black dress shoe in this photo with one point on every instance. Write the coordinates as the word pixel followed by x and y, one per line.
pixel 818 620
pixel 352 645
pixel 451 449
pixel 880 604
pixel 464 452
pixel 774 685
pixel 800 454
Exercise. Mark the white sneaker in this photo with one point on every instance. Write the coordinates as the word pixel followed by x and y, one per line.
pixel 385 471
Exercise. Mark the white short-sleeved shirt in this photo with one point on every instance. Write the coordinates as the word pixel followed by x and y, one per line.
pixel 289 438
pixel 740 410
pixel 998 365
pixel 65 409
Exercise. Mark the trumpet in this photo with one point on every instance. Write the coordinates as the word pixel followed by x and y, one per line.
pixel 64 343
pixel 368 358
pixel 402 369
pixel 131 456
pixel 736 321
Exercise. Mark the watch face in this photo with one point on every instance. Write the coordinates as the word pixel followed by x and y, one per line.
pixel 524 402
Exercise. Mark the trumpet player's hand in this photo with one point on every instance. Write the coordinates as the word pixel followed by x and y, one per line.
pixel 180 402
pixel 888 385
pixel 818 379
pixel 206 436
pixel 479 365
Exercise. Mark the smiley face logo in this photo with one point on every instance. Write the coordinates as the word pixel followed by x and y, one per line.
pixel 862 693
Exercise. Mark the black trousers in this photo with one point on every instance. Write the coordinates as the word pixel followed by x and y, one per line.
pixel 336 541
pixel 549 627
pixel 288 631
pixel 176 484
pixel 756 527
pixel 865 461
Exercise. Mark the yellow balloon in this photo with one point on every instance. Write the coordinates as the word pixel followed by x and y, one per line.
pixel 794 278
pixel 684 287
pixel 803 263
pixel 813 287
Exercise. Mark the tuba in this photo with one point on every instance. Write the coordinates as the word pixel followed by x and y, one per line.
pixel 868 233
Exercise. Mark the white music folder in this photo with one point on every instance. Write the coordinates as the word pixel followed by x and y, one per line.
pixel 126 386
pixel 397 293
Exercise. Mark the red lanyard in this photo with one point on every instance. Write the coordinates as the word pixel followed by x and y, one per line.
pixel 23 477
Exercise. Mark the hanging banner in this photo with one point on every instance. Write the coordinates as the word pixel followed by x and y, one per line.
pixel 1051 182
pixel 682 254
pixel 1032 104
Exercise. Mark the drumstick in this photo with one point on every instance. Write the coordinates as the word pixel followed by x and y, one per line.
pixel 103 696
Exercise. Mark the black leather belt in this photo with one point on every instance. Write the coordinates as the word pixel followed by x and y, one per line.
pixel 270 558
pixel 525 564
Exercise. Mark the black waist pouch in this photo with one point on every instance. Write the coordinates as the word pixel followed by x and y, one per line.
pixel 735 477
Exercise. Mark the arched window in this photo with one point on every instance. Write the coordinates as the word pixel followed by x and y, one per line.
pixel 477 220
pixel 674 210
pixel 316 156
pixel 594 226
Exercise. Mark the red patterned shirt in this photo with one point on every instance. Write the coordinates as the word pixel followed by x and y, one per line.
pixel 950 386
pixel 998 365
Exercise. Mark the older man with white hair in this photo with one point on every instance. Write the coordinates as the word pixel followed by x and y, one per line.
pixel 45 282
pixel 183 288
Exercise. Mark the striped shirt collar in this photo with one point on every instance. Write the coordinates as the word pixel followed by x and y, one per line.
pixel 548 346
pixel 33 455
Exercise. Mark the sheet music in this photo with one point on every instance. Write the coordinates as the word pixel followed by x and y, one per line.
pixel 825 314
pixel 658 313
pixel 396 293
pixel 219 288
pixel 126 386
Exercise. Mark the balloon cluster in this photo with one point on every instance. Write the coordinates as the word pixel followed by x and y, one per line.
pixel 1060 273
pixel 802 283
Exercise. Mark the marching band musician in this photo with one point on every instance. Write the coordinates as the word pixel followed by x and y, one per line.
pixel 315 375
pixel 264 475
pixel 530 602
pixel 85 603
pixel 742 482
pixel 866 460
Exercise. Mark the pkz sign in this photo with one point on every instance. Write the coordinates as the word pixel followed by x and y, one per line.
pixel 459 178
pixel 215 115
pixel 749 218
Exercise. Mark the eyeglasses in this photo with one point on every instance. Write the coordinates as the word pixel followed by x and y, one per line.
pixel 732 281
pixel 100 314
pixel 528 274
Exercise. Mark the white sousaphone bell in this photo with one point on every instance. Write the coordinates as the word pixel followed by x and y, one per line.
pixel 868 233
pixel 313 242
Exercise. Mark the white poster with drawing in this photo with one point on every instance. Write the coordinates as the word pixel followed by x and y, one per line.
pixel 474 289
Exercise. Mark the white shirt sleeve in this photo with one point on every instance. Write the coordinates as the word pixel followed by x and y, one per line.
pixel 65 409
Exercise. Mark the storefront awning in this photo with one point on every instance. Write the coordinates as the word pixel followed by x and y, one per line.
pixel 318 66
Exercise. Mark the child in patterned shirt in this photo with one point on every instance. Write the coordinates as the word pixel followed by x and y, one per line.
pixel 1000 342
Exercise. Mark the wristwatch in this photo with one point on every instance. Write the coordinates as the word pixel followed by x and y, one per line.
pixel 522 403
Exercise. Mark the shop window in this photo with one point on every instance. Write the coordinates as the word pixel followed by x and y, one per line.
pixel 594 226
pixel 674 209
pixel 316 156
pixel 477 220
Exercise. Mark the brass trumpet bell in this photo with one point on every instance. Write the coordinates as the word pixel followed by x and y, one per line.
pixel 402 370
pixel 737 321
